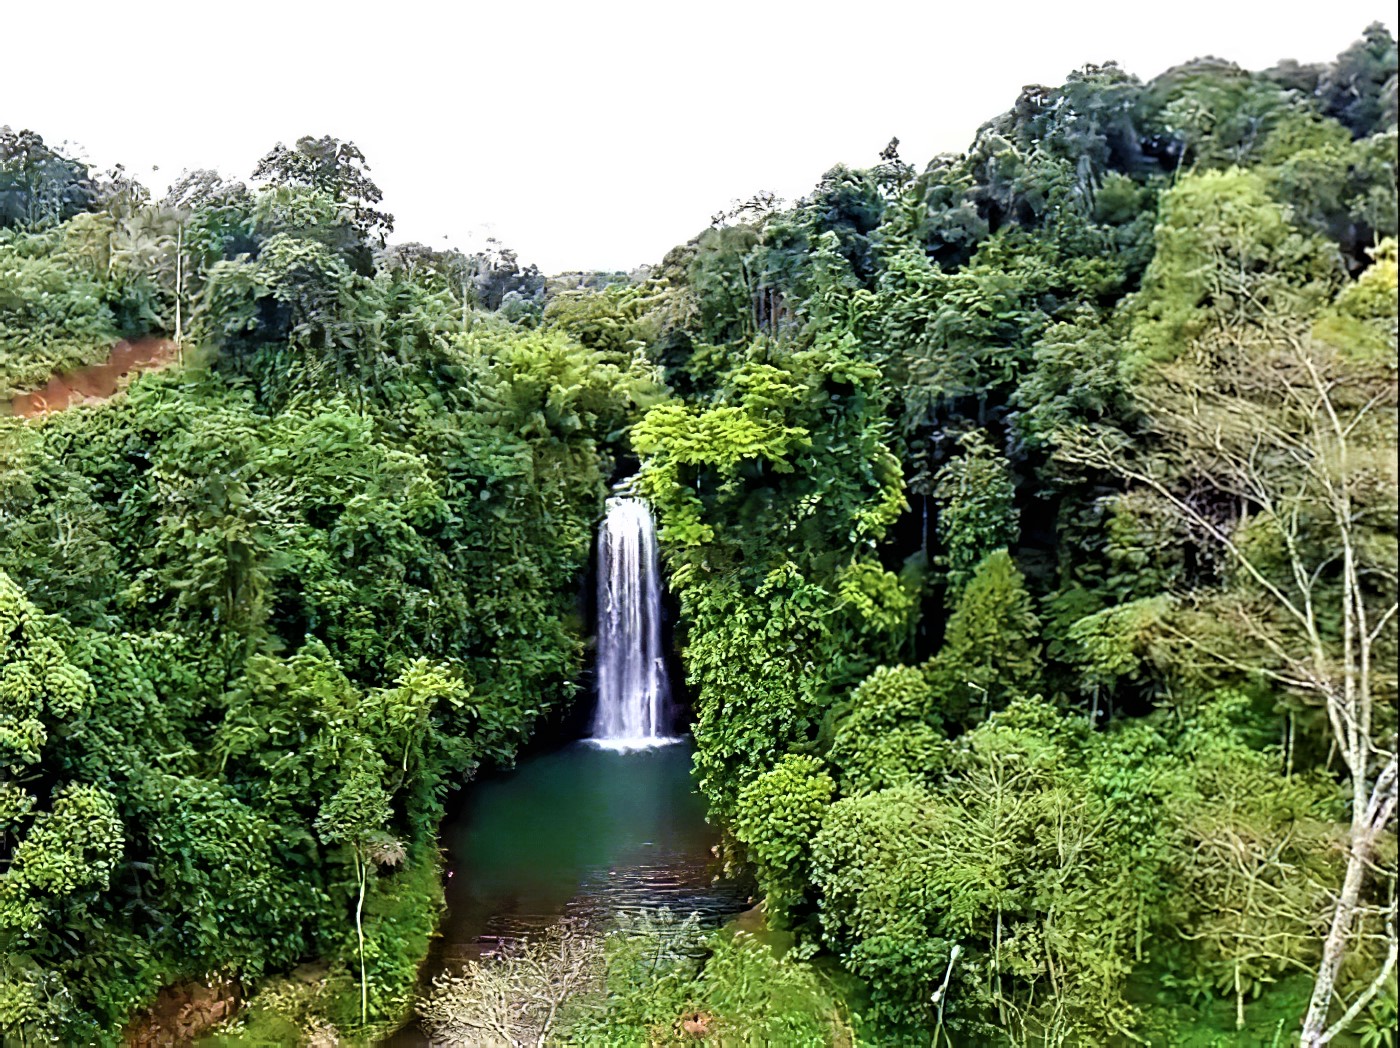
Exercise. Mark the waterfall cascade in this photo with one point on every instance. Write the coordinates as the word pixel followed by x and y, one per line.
pixel 633 692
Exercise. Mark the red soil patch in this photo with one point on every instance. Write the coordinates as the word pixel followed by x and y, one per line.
pixel 96 383
pixel 696 1024
pixel 182 1013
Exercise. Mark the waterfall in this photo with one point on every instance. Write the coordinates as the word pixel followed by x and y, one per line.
pixel 633 692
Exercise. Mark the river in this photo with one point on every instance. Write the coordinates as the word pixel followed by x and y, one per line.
pixel 583 831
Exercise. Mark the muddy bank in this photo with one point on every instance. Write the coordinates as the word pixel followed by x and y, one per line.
pixel 97 382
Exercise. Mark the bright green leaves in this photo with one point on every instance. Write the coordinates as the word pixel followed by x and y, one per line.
pixel 872 862
pixel 74 845
pixel 1362 320
pixel 1119 642
pixel 402 711
pixel 772 451
pixel 1226 255
pixel 838 306
pixel 877 598
pixel 617 320
pixel 39 687
pixel 306 751
pixel 1079 380
pixel 991 647
pixel 976 495
pixel 1372 296
pixel 1254 912
pixel 359 808
pixel 892 734
pixel 761 997
pixel 1015 850
pixel 755 495
pixel 754 433
pixel 60 842
pixel 306 735
pixel 540 385
pixel 722 436
pixel 64 857
pixel 756 426
pixel 753 659
pixel 776 816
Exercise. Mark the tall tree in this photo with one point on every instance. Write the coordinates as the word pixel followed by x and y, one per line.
pixel 1289 469
pixel 39 186
pixel 335 168
pixel 1359 87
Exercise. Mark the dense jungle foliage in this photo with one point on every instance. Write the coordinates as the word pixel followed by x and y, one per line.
pixel 1031 518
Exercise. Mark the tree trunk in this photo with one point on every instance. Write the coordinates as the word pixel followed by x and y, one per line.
pixel 1339 935
pixel 179 290
pixel 360 936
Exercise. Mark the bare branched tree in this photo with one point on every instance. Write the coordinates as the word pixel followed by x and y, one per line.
pixel 1299 440
pixel 514 998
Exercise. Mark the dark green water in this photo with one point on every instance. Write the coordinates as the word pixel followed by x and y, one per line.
pixel 579 832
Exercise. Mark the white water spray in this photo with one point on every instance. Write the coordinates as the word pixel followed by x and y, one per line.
pixel 633 692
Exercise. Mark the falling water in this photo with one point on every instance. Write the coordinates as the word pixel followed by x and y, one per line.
pixel 632 688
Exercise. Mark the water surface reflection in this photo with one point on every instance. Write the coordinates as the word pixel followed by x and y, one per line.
pixel 583 831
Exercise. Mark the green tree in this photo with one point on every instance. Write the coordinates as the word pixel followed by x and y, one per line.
pixel 355 816
pixel 975 494
pixel 891 734
pixel 61 842
pixel 776 816
pixel 337 169
pixel 1296 433
pixel 991 650
pixel 1227 255
pixel 40 187
pixel 1353 90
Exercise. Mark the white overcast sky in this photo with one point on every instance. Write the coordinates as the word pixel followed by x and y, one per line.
pixel 592 134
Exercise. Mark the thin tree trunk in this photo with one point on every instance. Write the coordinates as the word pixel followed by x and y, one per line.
pixel 1368 823
pixel 1338 937
pixel 179 289
pixel 360 937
